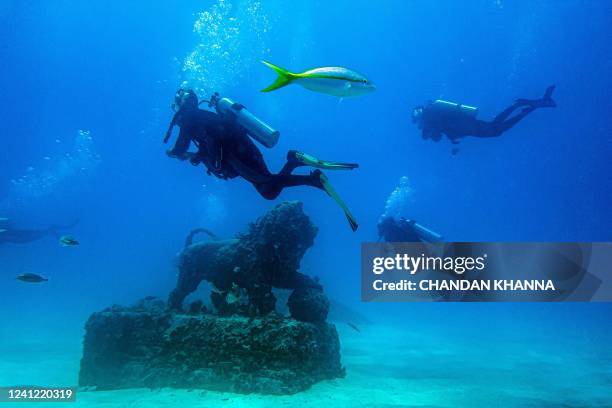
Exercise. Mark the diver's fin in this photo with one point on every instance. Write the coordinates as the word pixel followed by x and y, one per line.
pixel 308 160
pixel 284 77
pixel 547 100
pixel 332 193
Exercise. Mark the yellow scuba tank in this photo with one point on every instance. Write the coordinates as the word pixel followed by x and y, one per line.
pixel 447 106
pixel 255 127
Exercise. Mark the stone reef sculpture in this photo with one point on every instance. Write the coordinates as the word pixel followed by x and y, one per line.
pixel 244 345
pixel 266 256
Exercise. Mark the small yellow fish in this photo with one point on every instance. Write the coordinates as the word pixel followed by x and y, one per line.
pixel 336 81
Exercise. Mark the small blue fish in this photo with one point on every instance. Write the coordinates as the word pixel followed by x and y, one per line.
pixel 68 240
pixel 31 278
pixel 354 327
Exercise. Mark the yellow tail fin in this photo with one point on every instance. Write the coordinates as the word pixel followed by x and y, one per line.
pixel 284 77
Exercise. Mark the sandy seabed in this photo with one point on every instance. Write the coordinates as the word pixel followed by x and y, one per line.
pixel 387 366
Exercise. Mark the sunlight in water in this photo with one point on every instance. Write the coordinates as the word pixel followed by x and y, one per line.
pixel 231 39
pixel 399 201
pixel 54 173
pixel 212 211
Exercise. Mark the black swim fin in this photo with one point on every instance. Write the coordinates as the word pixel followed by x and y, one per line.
pixel 546 102
pixel 303 159
pixel 332 193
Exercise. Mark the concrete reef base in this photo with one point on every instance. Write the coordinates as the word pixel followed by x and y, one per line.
pixel 241 345
pixel 148 347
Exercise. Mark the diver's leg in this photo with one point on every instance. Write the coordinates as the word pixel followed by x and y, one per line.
pixel 545 102
pixel 276 183
pixel 508 111
pixel 507 124
pixel 296 159
pixel 494 129
pixel 485 129
pixel 248 162
pixel 291 163
pixel 253 169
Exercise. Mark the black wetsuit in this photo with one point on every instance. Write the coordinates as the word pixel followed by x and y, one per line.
pixel 17 236
pixel 456 124
pixel 227 151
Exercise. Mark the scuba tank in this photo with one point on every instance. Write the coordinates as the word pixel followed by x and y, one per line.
pixel 255 127
pixel 426 234
pixel 446 106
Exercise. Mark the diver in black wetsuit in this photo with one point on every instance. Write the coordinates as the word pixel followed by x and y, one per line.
pixel 392 229
pixel 395 230
pixel 10 235
pixel 227 151
pixel 457 121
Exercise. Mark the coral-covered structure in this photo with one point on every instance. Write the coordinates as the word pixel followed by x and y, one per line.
pixel 244 345
pixel 244 270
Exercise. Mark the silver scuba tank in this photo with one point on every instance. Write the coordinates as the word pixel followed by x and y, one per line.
pixel 427 234
pixel 255 127
pixel 451 106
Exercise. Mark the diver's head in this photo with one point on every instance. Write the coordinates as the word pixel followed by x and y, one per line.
pixel 386 223
pixel 417 114
pixel 185 99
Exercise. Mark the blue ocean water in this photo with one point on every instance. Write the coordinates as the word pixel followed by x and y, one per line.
pixel 87 88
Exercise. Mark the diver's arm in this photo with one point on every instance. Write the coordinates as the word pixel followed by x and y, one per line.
pixel 179 151
pixel 434 134
pixel 427 133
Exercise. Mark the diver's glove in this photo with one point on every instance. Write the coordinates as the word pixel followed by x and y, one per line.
pixel 195 160
pixel 173 155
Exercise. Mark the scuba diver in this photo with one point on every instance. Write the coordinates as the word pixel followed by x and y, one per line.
pixel 10 235
pixel 457 121
pixel 391 229
pixel 226 150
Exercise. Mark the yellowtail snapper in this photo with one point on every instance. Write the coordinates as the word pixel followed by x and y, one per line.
pixel 336 81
